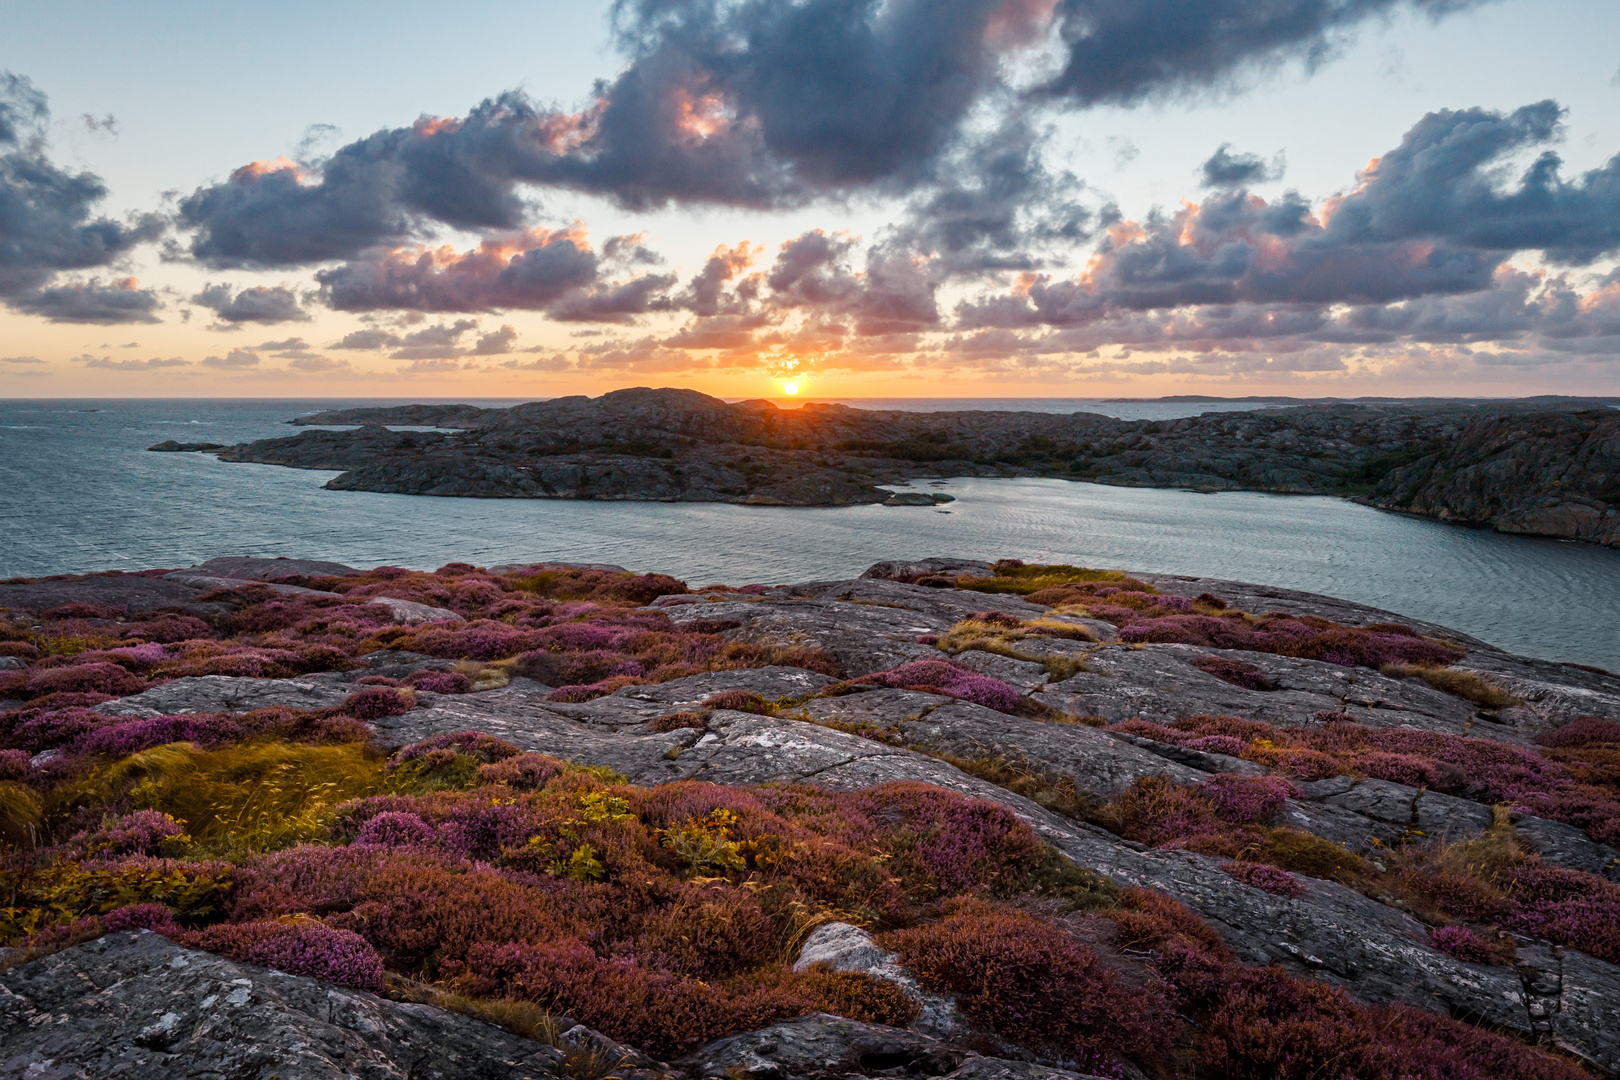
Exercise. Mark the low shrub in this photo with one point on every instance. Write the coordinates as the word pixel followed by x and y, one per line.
pixel 1582 731
pixel 300 947
pixel 938 676
pixel 1266 878
pixel 1028 981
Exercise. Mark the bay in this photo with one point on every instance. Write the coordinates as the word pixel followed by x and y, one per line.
pixel 79 492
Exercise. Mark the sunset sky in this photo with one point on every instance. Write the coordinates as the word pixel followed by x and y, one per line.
pixel 1007 198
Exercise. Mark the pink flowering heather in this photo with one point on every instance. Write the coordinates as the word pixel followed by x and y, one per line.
pixel 941 677
pixel 154 917
pixel 486 748
pixel 301 948
pixel 1265 878
pixel 1464 944
pixel 440 682
pixel 375 702
pixel 144 832
pixel 1582 731
pixel 1217 744
pixel 119 740
pixel 396 828
pixel 1244 799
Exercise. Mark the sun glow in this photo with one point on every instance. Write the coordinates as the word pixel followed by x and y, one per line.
pixel 790 388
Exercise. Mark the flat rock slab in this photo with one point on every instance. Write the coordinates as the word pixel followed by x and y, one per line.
pixel 137 1007
pixel 228 693
pixel 1160 682
pixel 823 1047
pixel 206 582
pixel 273 569
pixel 140 595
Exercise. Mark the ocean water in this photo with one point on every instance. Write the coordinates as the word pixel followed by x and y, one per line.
pixel 79 492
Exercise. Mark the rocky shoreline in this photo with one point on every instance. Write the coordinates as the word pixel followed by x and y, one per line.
pixel 1331 800
pixel 1534 468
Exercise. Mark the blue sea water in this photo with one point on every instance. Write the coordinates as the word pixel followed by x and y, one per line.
pixel 79 492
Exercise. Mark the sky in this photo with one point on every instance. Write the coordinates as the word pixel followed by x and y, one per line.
pixel 839 198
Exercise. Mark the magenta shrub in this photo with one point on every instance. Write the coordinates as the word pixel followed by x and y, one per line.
pixel 1464 944
pixel 121 739
pixel 154 917
pixel 1217 744
pixel 1264 877
pixel 376 702
pixel 97 678
pixel 1582 731
pixel 304 947
pixel 144 832
pixel 486 748
pixel 939 676
pixel 440 682
pixel 396 828
pixel 1246 800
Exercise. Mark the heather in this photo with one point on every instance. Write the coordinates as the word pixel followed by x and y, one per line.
pixel 583 631
pixel 1143 614
pixel 1575 779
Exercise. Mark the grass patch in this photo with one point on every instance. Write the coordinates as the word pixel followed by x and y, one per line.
pixel 1457 682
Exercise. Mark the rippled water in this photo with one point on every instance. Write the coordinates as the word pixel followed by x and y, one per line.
pixel 78 492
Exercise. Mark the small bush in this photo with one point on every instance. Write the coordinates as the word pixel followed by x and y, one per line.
pixel 1266 878
pixel 1028 981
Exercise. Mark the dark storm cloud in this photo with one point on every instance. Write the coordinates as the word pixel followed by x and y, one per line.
pixel 553 272
pixel 261 304
pixel 1225 169
pixel 1430 217
pixel 1121 51
pixel 91 302
pixel 46 215
pixel 757 104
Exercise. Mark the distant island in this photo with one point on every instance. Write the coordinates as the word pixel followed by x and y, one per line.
pixel 1545 467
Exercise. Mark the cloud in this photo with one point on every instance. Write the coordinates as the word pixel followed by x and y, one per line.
pixel 91 301
pixel 1122 51
pixel 259 304
pixel 105 125
pixel 236 359
pixel 20 360
pixel 1228 170
pixel 432 366
pixel 318 364
pixel 556 362
pixel 496 342
pixel 439 342
pixel 753 104
pixel 108 364
pixel 370 339
pixel 46 213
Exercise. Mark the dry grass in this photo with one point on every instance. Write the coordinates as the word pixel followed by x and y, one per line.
pixel 523 1018
pixel 236 800
pixel 999 638
pixel 1459 682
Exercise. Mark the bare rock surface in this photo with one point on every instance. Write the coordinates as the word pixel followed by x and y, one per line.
pixel 841 946
pixel 823 1047
pixel 134 1005
pixel 139 594
pixel 227 693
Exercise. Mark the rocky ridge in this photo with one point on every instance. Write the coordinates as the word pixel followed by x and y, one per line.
pixel 1539 467
pixel 104 1008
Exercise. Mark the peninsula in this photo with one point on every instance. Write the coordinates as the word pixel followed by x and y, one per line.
pixel 1542 467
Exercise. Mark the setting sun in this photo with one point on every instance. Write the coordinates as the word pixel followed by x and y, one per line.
pixel 790 388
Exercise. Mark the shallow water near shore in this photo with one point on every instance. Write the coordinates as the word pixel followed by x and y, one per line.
pixel 79 492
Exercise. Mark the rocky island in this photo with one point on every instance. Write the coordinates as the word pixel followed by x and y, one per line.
pixel 294 819
pixel 1544 468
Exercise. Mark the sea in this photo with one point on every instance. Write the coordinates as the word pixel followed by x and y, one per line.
pixel 79 492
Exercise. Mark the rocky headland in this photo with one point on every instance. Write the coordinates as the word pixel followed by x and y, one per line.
pixel 947 819
pixel 1538 467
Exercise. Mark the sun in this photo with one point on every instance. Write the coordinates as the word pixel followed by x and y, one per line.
pixel 790 388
